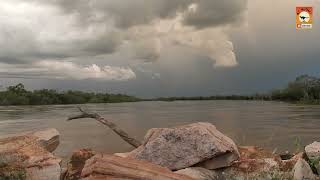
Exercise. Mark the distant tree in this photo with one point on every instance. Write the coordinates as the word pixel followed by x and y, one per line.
pixel 18 95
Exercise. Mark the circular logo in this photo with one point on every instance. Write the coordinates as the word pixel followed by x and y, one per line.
pixel 304 17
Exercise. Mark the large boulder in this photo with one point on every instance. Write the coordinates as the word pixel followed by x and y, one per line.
pixel 185 146
pixel 313 153
pixel 302 171
pixel 27 156
pixel 103 166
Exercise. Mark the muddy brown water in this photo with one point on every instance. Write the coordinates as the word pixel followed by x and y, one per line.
pixel 273 125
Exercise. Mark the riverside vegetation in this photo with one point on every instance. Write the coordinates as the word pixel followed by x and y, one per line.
pixel 304 89
pixel 18 95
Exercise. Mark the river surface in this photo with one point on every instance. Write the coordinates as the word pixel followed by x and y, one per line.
pixel 272 125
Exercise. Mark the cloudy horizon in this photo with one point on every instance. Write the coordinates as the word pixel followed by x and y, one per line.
pixel 157 47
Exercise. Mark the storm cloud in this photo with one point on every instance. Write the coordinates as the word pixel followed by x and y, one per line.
pixel 34 31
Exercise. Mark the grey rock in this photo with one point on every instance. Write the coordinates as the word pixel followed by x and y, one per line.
pixel 313 153
pixel 313 150
pixel 221 161
pixel 184 146
pixel 302 171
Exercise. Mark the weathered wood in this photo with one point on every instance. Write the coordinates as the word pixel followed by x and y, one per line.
pixel 125 136
pixel 103 166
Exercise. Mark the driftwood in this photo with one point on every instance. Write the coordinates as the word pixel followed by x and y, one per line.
pixel 125 136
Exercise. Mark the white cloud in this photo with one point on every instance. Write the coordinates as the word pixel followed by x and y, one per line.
pixel 67 70
pixel 149 40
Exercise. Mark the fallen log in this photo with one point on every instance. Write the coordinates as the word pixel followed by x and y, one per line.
pixel 125 136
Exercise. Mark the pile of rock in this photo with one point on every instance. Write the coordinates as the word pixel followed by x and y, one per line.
pixel 194 151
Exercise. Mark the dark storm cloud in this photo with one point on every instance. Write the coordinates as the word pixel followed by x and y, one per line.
pixel 127 13
pixel 208 13
pixel 76 31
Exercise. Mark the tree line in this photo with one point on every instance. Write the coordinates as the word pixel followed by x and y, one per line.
pixel 18 95
pixel 304 89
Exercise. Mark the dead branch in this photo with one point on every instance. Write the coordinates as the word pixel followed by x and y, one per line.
pixel 111 125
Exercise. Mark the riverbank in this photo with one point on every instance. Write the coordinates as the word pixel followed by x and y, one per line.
pixel 193 151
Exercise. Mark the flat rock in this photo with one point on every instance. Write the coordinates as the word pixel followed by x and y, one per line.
pixel 27 155
pixel 302 171
pixel 49 139
pixel 200 173
pixel 103 166
pixel 184 146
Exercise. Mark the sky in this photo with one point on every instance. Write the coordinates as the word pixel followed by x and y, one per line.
pixel 152 48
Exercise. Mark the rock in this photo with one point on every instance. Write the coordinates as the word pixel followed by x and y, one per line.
pixel 50 170
pixel 254 163
pixel 231 173
pixel 184 146
pixel 49 139
pixel 302 171
pixel 313 150
pixel 287 165
pixel 26 155
pixel 200 173
pixel 313 153
pixel 124 155
pixel 103 166
pixel 77 163
pixel 254 152
pixel 221 161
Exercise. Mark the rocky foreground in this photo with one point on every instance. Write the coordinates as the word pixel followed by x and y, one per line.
pixel 194 151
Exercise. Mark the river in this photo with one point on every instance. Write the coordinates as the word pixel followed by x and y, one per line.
pixel 273 125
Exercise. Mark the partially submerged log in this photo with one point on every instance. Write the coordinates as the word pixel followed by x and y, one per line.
pixel 125 136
